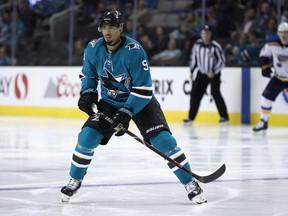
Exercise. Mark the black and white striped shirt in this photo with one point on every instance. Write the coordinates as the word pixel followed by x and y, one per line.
pixel 207 57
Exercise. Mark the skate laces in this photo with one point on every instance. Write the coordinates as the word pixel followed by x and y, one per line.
pixel 195 192
pixel 260 124
pixel 73 184
pixel 192 186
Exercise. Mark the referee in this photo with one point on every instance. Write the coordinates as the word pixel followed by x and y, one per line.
pixel 207 56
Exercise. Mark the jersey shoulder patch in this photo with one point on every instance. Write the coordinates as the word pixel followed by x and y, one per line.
pixel 132 45
pixel 95 41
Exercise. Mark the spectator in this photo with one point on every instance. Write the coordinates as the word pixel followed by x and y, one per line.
pixel 128 28
pixel 147 44
pixel 266 12
pixel 5 28
pixel 151 4
pixel 78 51
pixel 160 39
pixel 251 52
pixel 143 13
pixel 8 24
pixel 178 33
pixel 28 18
pixel 271 29
pixel 191 25
pixel 251 22
pixel 187 46
pixel 4 58
pixel 170 56
pixel 211 17
pixel 87 8
pixel 101 8
pixel 10 7
pixel 128 10
pixel 225 22
pixel 141 29
pixel 284 16
pixel 233 52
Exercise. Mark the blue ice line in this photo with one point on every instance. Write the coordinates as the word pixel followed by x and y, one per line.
pixel 139 184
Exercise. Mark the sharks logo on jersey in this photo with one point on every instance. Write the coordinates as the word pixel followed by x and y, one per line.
pixel 132 46
pixel 114 84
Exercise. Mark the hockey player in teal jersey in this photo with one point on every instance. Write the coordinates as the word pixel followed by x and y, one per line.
pixel 120 66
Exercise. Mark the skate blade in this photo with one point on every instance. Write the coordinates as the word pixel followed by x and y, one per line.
pixel 261 132
pixel 199 199
pixel 65 198
pixel 223 124
pixel 190 123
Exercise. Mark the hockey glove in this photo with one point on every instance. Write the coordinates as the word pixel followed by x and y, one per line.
pixel 121 120
pixel 267 72
pixel 86 100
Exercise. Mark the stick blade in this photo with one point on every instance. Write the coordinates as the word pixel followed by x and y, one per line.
pixel 212 177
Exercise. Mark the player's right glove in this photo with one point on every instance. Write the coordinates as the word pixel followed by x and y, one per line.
pixel 267 72
pixel 86 100
pixel 121 120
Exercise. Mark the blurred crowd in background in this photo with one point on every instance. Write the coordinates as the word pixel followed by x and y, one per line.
pixel 56 32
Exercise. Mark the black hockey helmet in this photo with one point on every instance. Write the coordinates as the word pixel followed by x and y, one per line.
pixel 111 17
pixel 206 28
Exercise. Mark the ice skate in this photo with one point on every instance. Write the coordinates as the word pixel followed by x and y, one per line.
pixel 195 192
pixel 188 121
pixel 261 126
pixel 70 189
pixel 224 121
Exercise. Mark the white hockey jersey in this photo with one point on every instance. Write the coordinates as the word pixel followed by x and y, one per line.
pixel 276 51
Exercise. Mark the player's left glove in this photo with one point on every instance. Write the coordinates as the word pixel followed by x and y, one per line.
pixel 86 100
pixel 267 72
pixel 121 120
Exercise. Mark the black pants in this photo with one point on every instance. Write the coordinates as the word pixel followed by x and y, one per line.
pixel 198 90
pixel 150 121
pixel 273 88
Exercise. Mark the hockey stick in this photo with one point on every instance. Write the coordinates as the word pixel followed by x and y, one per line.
pixel 203 179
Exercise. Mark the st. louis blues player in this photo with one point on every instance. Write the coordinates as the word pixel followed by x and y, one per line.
pixel 276 50
pixel 120 65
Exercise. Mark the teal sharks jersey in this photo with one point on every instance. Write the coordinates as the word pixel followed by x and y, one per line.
pixel 123 75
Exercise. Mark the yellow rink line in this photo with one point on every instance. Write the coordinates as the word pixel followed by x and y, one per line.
pixel 172 116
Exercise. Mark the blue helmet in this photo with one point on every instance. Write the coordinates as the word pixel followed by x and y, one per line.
pixel 111 17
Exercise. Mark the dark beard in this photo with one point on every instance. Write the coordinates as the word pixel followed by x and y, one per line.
pixel 110 43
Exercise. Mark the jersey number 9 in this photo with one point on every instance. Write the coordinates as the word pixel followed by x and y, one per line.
pixel 145 65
